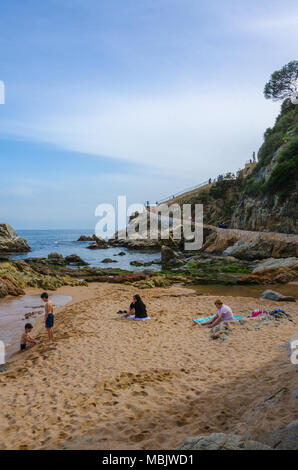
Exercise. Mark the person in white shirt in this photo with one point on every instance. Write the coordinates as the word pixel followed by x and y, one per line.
pixel 224 313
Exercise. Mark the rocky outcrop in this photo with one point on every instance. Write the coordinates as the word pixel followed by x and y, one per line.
pixel 275 275
pixel 75 260
pixel 255 214
pixel 262 249
pixel 56 259
pixel 10 242
pixel 272 295
pixel 100 244
pixel 16 275
pixel 154 281
pixel 275 262
pixel 87 238
pixel 222 441
pixel 169 257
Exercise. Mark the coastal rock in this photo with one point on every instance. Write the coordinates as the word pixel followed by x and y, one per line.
pixel 100 244
pixel 8 288
pixel 221 441
pixel 109 260
pixel 84 238
pixel 276 262
pixel 133 244
pixel 261 249
pixel 272 295
pixel 217 244
pixel 56 259
pixel 275 275
pixel 283 438
pixel 15 276
pixel 170 257
pixel 140 263
pixel 75 260
pixel 10 242
pixel 155 281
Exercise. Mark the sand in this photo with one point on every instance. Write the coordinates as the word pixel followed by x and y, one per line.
pixel 108 383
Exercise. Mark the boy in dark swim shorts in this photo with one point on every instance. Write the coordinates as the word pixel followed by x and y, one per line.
pixel 49 315
pixel 26 340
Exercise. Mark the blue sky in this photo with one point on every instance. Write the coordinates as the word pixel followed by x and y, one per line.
pixel 135 97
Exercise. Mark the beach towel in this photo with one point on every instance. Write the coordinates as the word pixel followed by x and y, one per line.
pixel 133 317
pixel 201 320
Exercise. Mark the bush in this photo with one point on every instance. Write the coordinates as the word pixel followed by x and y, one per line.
pixel 285 174
pixel 271 144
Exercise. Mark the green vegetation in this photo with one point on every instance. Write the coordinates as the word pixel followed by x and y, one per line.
pixel 279 85
pixel 284 133
pixel 284 176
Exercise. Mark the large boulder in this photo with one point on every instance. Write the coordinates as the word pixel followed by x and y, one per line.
pixel 75 260
pixel 56 259
pixel 222 441
pixel 169 257
pixel 272 295
pixel 10 242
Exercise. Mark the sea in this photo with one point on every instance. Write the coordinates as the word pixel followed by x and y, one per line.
pixel 43 242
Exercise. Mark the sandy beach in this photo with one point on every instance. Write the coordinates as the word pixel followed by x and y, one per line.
pixel 108 383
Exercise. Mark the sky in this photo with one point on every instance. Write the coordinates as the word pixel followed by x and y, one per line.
pixel 141 98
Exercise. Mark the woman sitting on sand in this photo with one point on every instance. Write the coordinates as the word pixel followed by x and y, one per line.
pixel 137 309
pixel 224 313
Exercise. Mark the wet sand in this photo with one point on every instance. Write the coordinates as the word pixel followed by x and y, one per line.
pixel 108 383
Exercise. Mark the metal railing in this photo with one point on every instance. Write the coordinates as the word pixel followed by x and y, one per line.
pixel 187 190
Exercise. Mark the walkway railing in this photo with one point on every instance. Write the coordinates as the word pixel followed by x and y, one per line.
pixel 187 190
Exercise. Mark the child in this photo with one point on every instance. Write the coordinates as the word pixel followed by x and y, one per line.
pixel 26 340
pixel 49 315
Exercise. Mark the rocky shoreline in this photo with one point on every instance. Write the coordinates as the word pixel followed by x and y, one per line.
pixel 257 259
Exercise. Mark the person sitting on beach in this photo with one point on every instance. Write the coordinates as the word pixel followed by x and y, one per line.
pixel 49 315
pixel 26 339
pixel 137 309
pixel 224 313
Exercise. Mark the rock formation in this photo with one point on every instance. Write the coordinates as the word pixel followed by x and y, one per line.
pixel 10 242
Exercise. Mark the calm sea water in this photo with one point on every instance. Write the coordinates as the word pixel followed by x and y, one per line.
pixel 43 242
